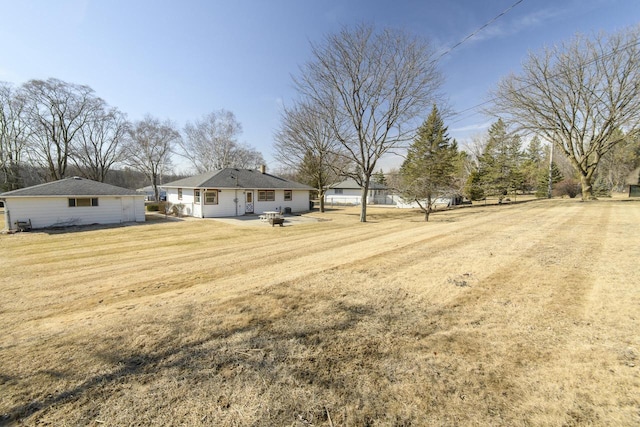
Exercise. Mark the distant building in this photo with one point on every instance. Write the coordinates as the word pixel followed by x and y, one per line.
pixel 348 192
pixel 150 195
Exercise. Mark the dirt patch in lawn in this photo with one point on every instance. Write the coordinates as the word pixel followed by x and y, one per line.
pixel 523 314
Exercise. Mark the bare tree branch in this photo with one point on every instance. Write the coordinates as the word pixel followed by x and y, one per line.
pixel 99 143
pixel 149 146
pixel 371 86
pixel 56 113
pixel 577 95
pixel 306 143
pixel 211 143
pixel 13 136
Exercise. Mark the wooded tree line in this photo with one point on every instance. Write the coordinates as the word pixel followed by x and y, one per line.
pixel 50 129
pixel 504 165
pixel 363 92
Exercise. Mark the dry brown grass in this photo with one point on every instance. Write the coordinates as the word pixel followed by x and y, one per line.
pixel 515 315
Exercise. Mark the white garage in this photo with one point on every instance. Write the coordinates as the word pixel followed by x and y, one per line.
pixel 71 201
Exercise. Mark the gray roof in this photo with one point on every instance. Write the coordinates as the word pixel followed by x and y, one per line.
pixel 237 178
pixel 74 186
pixel 350 183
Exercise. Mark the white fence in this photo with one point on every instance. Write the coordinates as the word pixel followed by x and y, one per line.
pixel 347 200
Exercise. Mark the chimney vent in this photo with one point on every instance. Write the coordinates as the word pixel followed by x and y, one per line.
pixel 263 169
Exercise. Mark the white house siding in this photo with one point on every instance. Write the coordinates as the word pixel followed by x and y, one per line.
pixel 441 202
pixel 354 197
pixel 55 211
pixel 299 202
pixel 132 208
pixel 349 196
pixel 226 205
pixel 227 197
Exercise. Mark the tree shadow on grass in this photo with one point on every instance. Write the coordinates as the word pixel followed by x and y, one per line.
pixel 263 345
pixel 92 227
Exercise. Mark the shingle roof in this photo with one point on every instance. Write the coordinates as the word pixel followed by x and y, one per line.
pixel 237 178
pixel 74 186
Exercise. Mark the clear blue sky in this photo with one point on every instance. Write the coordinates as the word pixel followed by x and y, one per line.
pixel 182 59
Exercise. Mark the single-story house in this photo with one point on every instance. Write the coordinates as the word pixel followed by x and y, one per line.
pixel 236 192
pixel 348 192
pixel 440 202
pixel 72 201
pixel 149 194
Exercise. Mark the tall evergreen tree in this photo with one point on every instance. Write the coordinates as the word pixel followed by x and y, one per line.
pixel 532 164
pixel 542 189
pixel 379 178
pixel 430 167
pixel 499 164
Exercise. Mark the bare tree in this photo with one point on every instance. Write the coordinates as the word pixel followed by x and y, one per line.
pixel 577 95
pixel 56 113
pixel 149 147
pixel 13 136
pixel 371 86
pixel 98 145
pixel 306 143
pixel 246 157
pixel 211 143
pixel 475 147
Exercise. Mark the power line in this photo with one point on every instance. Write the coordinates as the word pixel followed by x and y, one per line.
pixel 596 58
pixel 448 51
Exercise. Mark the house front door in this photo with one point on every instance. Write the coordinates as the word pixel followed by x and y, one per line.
pixel 248 202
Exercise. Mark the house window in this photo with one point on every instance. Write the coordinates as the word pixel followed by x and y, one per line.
pixel 287 195
pixel 196 196
pixel 211 197
pixel 80 202
pixel 266 195
pixel 179 193
pixel 338 190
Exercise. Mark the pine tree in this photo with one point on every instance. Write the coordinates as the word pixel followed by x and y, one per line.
pixel 379 178
pixel 543 180
pixel 532 165
pixel 473 188
pixel 429 169
pixel 499 165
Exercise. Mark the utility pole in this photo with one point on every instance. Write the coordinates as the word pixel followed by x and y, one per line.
pixel 550 188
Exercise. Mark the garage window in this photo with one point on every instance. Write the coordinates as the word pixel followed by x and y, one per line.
pixel 80 202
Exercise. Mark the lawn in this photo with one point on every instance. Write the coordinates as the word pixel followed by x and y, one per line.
pixel 516 315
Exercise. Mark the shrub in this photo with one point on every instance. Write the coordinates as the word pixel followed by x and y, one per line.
pixel 153 207
pixel 177 209
pixel 567 187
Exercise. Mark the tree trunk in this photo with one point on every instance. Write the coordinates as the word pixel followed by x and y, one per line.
pixel 587 188
pixel 363 202
pixel 321 196
pixel 154 184
pixel 427 209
